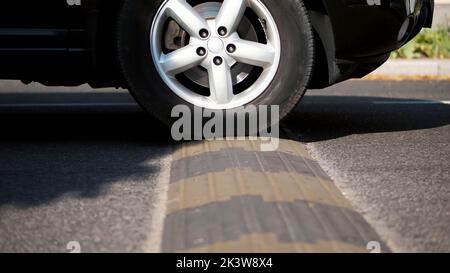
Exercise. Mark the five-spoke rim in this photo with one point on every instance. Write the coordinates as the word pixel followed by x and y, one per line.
pixel 216 46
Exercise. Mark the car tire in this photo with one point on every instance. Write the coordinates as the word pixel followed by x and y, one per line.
pixel 287 87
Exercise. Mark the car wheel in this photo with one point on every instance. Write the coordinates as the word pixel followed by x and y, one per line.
pixel 215 55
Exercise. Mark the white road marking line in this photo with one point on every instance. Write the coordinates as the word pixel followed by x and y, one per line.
pixel 412 102
pixel 81 104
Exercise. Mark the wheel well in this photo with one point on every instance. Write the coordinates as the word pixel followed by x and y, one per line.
pixel 320 74
pixel 316 5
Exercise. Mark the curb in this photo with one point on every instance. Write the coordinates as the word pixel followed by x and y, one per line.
pixel 414 68
pixel 441 13
pixel 228 196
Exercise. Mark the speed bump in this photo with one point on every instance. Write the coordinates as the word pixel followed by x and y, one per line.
pixel 228 196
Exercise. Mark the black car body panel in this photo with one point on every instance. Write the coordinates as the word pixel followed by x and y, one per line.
pixel 71 42
pixel 58 42
pixel 357 36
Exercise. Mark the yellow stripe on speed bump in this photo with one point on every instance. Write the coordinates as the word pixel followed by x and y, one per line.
pixel 194 148
pixel 272 187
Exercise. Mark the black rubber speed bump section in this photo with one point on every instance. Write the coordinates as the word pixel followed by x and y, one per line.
pixel 228 196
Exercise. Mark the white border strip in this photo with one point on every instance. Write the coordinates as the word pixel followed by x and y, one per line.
pixel 412 102
pixel 81 104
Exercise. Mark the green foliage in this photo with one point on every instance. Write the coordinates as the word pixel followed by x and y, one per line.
pixel 428 44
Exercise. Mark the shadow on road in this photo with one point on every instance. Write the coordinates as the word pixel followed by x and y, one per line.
pixel 320 118
pixel 47 153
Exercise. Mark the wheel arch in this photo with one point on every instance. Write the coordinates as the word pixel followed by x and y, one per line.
pixel 328 67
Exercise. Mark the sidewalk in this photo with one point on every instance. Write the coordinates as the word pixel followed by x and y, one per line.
pixel 422 67
pixel 441 13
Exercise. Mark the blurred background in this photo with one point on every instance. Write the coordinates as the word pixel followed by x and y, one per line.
pixel 428 54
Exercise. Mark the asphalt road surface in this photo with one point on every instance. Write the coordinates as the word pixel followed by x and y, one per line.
pixel 90 166
pixel 387 147
pixel 80 166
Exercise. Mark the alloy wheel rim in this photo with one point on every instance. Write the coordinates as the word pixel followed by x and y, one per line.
pixel 215 46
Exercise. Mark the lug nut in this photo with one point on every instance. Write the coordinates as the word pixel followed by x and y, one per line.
pixel 204 33
pixel 201 51
pixel 222 31
pixel 231 48
pixel 218 60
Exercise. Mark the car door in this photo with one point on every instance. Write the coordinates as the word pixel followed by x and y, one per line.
pixel 33 34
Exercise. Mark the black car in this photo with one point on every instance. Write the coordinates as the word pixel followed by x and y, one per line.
pixel 211 54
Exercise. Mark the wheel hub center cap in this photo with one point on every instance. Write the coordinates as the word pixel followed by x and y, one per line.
pixel 215 45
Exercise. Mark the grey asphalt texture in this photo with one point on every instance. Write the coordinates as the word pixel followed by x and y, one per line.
pixel 90 174
pixel 89 166
pixel 387 147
